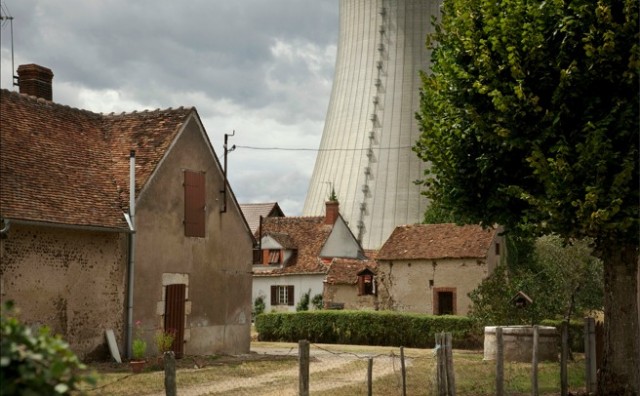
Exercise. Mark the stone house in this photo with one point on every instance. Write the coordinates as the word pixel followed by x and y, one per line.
pixel 294 255
pixel 431 268
pixel 351 284
pixel 78 255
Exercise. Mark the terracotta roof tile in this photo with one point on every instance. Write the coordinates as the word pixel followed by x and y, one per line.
pixel 253 211
pixel 308 234
pixel 69 166
pixel 345 271
pixel 436 241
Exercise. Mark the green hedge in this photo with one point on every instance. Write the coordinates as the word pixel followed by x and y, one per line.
pixel 384 328
pixel 576 333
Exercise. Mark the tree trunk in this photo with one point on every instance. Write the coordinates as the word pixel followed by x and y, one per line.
pixel 620 374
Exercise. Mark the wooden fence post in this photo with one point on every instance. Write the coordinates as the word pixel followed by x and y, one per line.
pixel 591 373
pixel 404 372
pixel 303 351
pixel 370 377
pixel 170 374
pixel 564 354
pixel 441 380
pixel 534 362
pixel 451 381
pixel 499 362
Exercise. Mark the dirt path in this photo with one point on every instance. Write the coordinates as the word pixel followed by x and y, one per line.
pixel 346 369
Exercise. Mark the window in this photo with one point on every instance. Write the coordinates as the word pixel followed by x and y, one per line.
pixel 271 256
pixel 366 284
pixel 194 204
pixel 497 249
pixel 444 301
pixel 281 295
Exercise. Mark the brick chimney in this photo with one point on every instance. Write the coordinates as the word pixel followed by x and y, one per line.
pixel 331 212
pixel 35 80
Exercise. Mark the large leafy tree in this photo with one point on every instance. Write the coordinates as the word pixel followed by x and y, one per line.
pixel 530 116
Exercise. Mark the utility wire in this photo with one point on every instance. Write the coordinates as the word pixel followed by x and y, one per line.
pixel 311 149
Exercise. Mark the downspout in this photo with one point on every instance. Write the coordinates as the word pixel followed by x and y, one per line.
pixel 132 250
pixel 7 225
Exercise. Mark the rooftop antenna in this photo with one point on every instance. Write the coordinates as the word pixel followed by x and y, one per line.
pixel 5 17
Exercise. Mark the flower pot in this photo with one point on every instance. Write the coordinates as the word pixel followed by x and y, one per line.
pixel 137 365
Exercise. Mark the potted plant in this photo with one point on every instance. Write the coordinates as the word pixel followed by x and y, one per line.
pixel 138 349
pixel 164 342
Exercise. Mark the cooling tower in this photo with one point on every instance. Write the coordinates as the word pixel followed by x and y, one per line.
pixel 365 152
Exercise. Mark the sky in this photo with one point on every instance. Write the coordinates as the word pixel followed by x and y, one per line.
pixel 261 68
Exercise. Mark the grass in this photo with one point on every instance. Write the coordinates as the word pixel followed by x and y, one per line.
pixel 340 370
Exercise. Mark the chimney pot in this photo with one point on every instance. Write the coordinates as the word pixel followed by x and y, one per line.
pixel 331 212
pixel 35 80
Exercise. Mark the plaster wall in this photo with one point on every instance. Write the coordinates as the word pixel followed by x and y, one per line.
pixel 405 285
pixel 215 268
pixel 72 281
pixel 348 295
pixel 341 242
pixel 301 284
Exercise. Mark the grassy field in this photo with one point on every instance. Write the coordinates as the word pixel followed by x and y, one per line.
pixel 336 370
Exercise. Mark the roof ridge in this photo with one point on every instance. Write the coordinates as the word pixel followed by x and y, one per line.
pixel 37 100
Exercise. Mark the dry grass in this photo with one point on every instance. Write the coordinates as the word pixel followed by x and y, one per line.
pixel 336 370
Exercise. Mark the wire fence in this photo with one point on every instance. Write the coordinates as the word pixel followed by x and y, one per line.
pixel 340 370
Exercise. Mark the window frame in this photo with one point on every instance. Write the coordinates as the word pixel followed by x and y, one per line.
pixel 286 291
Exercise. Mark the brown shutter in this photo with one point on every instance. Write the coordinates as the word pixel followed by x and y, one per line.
pixel 174 311
pixel 360 285
pixel 194 204
pixel 274 295
pixel 290 295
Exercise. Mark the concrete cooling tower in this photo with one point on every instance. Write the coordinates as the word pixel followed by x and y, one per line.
pixel 365 152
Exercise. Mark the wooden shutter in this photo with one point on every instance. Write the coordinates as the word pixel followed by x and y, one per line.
pixel 174 312
pixel 274 295
pixel 360 285
pixel 194 204
pixel 289 295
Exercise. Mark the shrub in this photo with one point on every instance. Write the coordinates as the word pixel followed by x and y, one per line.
pixel 303 304
pixel 36 364
pixel 258 306
pixel 317 301
pixel 164 340
pixel 383 328
pixel 139 345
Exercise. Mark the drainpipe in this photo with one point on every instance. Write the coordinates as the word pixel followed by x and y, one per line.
pixel 132 246
pixel 7 225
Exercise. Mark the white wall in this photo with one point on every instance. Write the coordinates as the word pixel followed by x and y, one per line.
pixel 301 285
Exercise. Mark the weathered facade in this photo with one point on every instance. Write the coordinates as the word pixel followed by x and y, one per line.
pixel 68 240
pixel 351 284
pixel 431 268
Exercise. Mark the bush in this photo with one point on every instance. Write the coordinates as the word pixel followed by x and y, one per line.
pixel 317 301
pixel 36 364
pixel 258 306
pixel 384 328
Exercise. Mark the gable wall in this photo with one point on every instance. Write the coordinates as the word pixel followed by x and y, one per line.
pixel 348 295
pixel 341 242
pixel 216 268
pixel 70 280
pixel 404 285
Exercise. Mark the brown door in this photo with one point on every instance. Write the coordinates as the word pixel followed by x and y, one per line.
pixel 445 303
pixel 174 316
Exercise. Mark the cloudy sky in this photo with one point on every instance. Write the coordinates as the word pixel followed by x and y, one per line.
pixel 260 67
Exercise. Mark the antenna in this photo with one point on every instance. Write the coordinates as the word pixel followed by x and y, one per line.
pixel 5 16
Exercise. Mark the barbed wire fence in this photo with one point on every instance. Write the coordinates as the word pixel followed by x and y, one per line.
pixel 321 369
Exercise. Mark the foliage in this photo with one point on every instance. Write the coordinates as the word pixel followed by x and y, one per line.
pixel 258 306
pixel 531 117
pixel 562 281
pixel 164 340
pixel 303 304
pixel 139 345
pixel 516 138
pixel 365 328
pixel 317 301
pixel 36 364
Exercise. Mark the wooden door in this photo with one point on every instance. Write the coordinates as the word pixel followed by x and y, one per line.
pixel 174 315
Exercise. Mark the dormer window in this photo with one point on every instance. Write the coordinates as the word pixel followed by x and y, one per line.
pixel 366 283
pixel 271 256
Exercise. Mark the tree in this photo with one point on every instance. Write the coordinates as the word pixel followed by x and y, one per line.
pixel 530 117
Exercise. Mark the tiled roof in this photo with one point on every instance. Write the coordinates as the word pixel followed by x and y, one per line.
pixel 283 239
pixel 308 234
pixel 253 211
pixel 437 241
pixel 69 166
pixel 345 271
